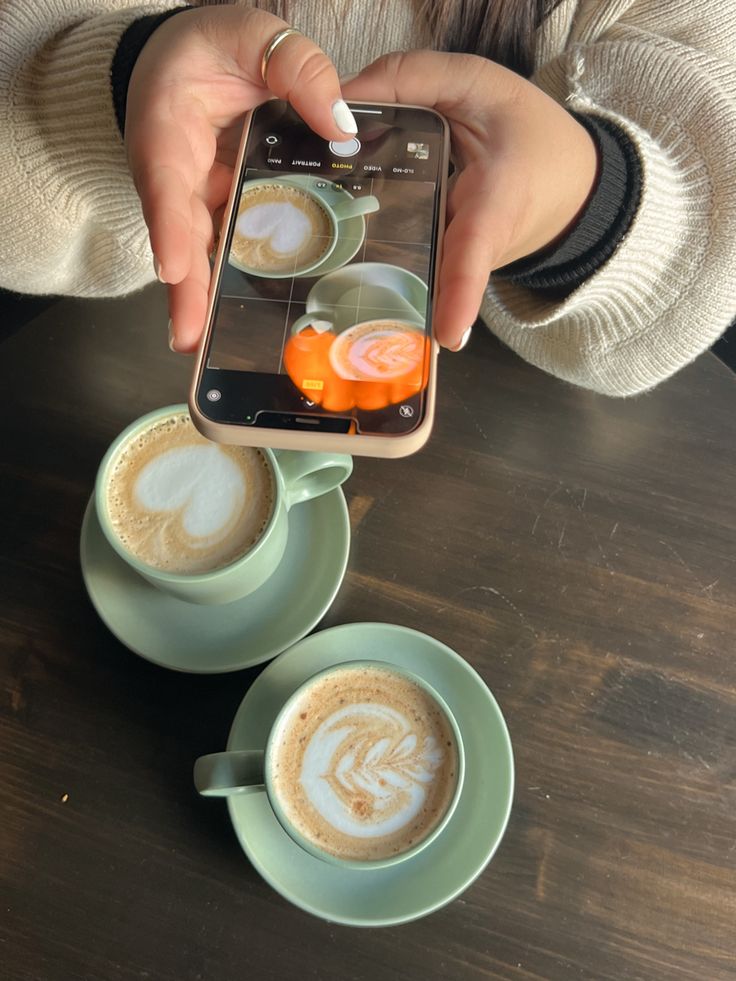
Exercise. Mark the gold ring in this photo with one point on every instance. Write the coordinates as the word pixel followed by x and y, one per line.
pixel 271 47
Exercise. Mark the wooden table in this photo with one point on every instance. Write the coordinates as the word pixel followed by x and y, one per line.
pixel 578 551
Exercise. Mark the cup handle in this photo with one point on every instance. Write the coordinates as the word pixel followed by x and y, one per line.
pixel 317 320
pixel 354 207
pixel 225 774
pixel 308 475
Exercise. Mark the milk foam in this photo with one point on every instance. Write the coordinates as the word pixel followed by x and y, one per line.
pixel 280 229
pixel 377 351
pixel 372 749
pixel 182 504
pixel 286 227
pixel 365 765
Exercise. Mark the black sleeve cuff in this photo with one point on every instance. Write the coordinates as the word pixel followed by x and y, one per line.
pixel 126 55
pixel 605 219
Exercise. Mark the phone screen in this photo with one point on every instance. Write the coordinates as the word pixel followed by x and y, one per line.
pixel 323 303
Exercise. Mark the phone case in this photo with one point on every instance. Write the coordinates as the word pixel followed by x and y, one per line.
pixel 387 447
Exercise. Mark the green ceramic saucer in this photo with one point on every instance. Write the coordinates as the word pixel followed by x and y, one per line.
pixel 215 639
pixel 438 874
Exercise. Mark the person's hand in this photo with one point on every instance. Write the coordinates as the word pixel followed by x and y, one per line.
pixel 196 76
pixel 525 167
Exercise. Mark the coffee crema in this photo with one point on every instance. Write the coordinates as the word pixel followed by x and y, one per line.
pixel 378 350
pixel 280 229
pixel 365 764
pixel 182 504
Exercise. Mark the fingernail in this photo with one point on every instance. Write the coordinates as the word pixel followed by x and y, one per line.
pixel 157 270
pixel 463 340
pixel 172 344
pixel 344 117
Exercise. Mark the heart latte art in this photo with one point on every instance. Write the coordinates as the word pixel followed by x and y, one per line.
pixel 365 763
pixel 183 504
pixel 280 229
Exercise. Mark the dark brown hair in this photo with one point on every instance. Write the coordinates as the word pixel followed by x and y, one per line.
pixel 502 30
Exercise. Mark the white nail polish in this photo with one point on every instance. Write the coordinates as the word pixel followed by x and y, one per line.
pixel 344 117
pixel 171 338
pixel 157 270
pixel 463 340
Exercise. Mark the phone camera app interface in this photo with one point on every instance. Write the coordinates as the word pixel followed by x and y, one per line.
pixel 327 277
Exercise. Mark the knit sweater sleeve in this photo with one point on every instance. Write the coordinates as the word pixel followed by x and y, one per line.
pixel 70 219
pixel 665 75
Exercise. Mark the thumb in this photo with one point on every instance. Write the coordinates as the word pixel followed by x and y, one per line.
pixel 436 79
pixel 482 222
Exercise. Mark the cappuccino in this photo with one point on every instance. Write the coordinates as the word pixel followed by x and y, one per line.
pixel 280 230
pixel 365 763
pixel 182 504
pixel 378 350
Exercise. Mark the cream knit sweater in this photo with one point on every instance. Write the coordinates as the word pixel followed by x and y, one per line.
pixel 663 70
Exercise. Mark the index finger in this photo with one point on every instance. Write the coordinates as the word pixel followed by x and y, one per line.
pixel 297 69
pixel 301 73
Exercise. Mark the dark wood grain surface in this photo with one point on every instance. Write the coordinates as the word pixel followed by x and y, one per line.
pixel 578 551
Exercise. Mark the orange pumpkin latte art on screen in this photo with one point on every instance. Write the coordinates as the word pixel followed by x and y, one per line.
pixel 368 366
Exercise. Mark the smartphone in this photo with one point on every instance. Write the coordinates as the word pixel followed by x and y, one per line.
pixel 319 326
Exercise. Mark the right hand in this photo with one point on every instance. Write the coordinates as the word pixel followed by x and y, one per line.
pixel 196 77
pixel 525 167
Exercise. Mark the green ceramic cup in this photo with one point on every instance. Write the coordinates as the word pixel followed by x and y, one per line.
pixel 250 771
pixel 369 291
pixel 297 477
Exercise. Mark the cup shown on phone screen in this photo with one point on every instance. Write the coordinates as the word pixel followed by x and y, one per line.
pixel 285 229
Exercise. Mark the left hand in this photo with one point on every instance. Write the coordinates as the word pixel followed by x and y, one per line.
pixel 525 167
pixel 196 76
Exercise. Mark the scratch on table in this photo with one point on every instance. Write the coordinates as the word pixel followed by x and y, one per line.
pixel 590 528
pixel 678 557
pixel 477 425
pixel 469 413
pixel 539 889
pixel 562 535
pixel 496 592
pixel 613 531
pixel 703 588
pixel 585 495
pixel 406 605
pixel 546 502
pixel 707 589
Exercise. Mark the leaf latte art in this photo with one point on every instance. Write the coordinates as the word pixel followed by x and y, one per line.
pixel 378 350
pixel 365 771
pixel 366 763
